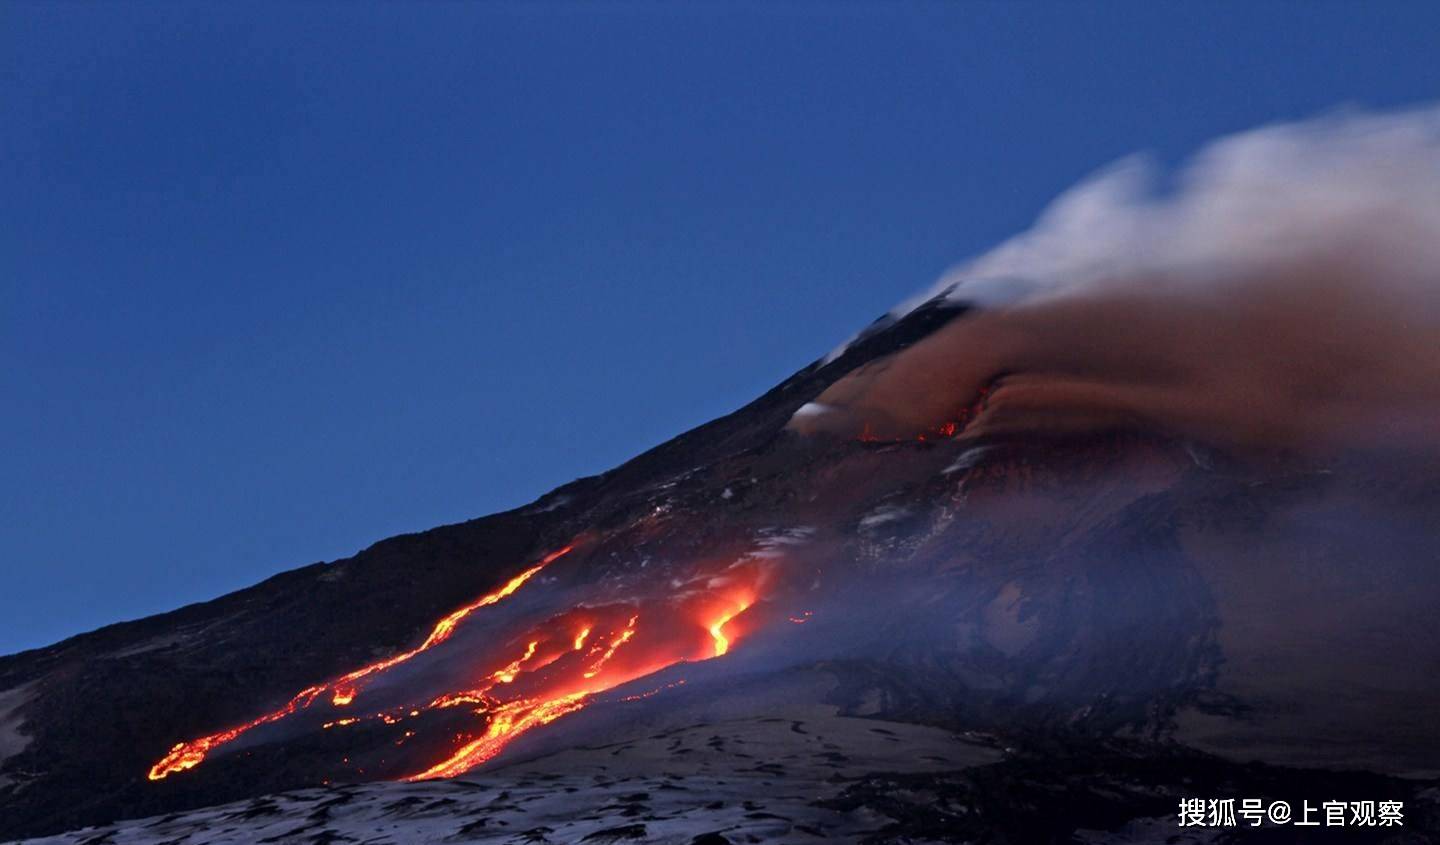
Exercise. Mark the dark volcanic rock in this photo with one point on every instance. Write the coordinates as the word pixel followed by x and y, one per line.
pixel 102 707
pixel 1063 587
pixel 1056 793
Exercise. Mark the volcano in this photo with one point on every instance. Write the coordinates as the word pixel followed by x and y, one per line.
pixel 1133 516
pixel 1090 620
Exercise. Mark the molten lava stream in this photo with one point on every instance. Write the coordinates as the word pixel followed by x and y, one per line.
pixel 581 653
pixel 550 671
pixel 188 755
pixel 717 628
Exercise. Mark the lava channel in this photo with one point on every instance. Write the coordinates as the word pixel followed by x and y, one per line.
pixel 188 755
pixel 579 653
pixel 547 672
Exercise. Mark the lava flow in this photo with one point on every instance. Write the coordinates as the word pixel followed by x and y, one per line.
pixel 544 673
pixel 558 674
pixel 188 755
pixel 717 630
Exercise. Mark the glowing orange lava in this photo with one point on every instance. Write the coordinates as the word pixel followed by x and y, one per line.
pixel 563 684
pixel 508 674
pixel 544 673
pixel 947 429
pixel 717 629
pixel 506 722
pixel 345 690
pixel 188 755
pixel 614 645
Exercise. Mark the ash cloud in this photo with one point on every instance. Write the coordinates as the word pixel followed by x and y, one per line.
pixel 1284 291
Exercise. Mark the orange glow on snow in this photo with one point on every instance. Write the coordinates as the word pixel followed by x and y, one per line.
pixel 345 690
pixel 506 723
pixel 188 755
pixel 507 674
pixel 564 662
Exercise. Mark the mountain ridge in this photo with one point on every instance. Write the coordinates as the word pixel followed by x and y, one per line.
pixel 1048 588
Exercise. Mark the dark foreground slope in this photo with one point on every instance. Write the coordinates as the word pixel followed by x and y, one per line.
pixel 83 720
pixel 1107 604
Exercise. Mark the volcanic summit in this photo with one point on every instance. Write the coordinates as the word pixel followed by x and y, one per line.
pixel 1101 523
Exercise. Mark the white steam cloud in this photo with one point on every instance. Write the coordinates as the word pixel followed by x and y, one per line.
pixel 1284 290
pixel 1357 183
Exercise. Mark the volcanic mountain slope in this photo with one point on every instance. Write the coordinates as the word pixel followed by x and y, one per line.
pixel 1095 597
pixel 801 775
pixel 728 778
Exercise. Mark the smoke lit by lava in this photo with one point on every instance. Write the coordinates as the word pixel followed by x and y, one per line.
pixel 1285 298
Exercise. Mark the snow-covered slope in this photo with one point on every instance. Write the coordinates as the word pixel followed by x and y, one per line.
pixel 751 780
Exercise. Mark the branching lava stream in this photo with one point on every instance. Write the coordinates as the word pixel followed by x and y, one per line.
pixel 546 672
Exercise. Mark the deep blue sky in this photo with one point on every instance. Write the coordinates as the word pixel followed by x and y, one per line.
pixel 280 281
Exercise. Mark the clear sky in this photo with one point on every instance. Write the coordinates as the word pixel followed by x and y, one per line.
pixel 280 281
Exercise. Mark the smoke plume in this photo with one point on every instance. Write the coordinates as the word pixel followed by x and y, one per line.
pixel 1282 291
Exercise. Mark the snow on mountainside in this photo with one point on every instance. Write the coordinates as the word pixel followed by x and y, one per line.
pixel 1140 508
pixel 743 780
